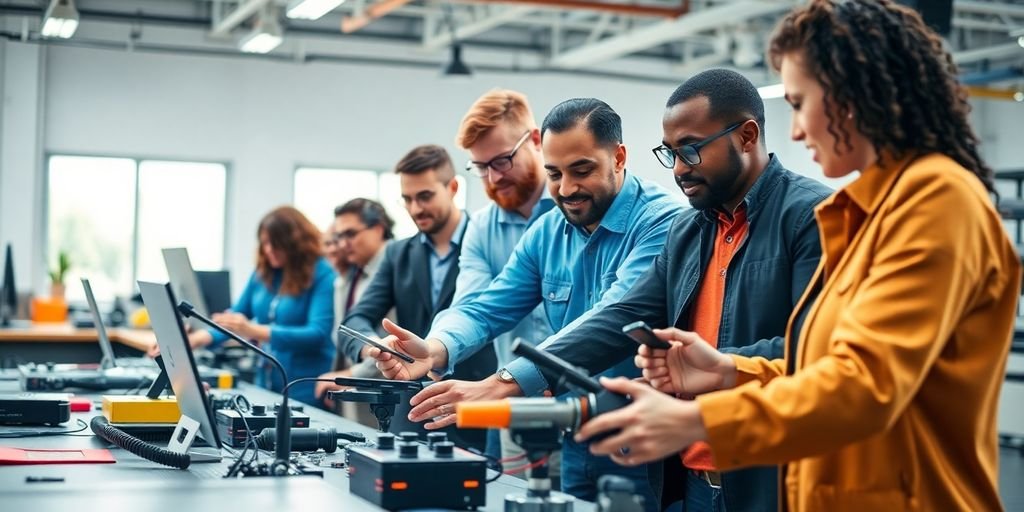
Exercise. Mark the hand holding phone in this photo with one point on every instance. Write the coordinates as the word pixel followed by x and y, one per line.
pixel 644 335
pixel 382 347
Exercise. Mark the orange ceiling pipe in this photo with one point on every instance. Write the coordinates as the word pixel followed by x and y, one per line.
pixel 594 5
pixel 351 24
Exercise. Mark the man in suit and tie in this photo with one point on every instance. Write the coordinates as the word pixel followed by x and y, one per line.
pixel 417 275
pixel 361 230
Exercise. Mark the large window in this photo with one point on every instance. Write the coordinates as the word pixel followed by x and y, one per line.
pixel 113 215
pixel 318 191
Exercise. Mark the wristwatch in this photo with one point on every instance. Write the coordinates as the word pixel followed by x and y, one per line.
pixel 506 376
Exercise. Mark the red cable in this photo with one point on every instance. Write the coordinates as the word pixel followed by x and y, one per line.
pixel 520 469
pixel 513 459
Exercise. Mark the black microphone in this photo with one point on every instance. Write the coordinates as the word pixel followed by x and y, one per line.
pixel 282 445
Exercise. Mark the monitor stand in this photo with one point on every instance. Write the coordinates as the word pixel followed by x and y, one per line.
pixel 183 437
pixel 185 432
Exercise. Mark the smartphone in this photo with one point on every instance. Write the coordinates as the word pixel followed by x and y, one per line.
pixel 642 334
pixel 383 348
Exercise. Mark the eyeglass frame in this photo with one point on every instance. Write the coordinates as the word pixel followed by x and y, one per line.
pixel 348 235
pixel 483 169
pixel 697 146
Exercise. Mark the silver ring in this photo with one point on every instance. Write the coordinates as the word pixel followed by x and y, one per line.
pixel 624 450
pixel 445 409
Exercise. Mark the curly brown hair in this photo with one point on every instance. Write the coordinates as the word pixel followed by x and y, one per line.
pixel 880 62
pixel 290 231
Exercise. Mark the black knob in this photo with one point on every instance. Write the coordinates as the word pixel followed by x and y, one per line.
pixel 444 449
pixel 50 365
pixel 409 437
pixel 436 437
pixel 386 441
pixel 408 450
pixel 259 410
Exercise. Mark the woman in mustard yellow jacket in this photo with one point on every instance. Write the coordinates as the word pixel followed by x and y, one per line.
pixel 896 354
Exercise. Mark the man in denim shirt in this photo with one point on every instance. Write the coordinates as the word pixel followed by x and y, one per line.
pixel 576 261
pixel 505 152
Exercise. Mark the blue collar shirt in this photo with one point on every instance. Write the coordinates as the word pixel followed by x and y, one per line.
pixel 439 265
pixel 489 242
pixel 571 272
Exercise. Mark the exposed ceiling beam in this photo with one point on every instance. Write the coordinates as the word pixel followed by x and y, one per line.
pixel 351 24
pixel 499 15
pixel 598 6
pixel 988 26
pixel 998 51
pixel 995 8
pixel 658 33
pixel 239 15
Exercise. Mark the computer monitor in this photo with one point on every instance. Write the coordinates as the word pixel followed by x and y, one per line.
pixel 180 365
pixel 216 288
pixel 184 281
pixel 101 331
pixel 8 290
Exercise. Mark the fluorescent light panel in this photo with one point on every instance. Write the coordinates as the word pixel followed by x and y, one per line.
pixel 260 42
pixel 265 36
pixel 768 92
pixel 60 20
pixel 311 9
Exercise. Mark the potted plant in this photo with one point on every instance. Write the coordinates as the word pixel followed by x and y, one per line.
pixel 57 276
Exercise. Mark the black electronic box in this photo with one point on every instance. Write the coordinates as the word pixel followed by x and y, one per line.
pixel 34 409
pixel 400 473
pixel 231 427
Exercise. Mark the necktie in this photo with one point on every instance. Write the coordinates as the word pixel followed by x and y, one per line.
pixel 352 290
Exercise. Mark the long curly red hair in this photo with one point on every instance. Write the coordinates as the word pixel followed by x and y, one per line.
pixel 292 233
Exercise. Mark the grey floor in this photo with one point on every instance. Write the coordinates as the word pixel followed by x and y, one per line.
pixel 1011 479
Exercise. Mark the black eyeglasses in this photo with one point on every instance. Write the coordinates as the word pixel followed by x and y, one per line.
pixel 348 234
pixel 498 164
pixel 690 153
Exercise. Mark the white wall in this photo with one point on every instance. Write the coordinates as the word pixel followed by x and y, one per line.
pixel 265 118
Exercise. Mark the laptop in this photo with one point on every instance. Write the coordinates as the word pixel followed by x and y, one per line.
pixel 109 363
pixel 184 281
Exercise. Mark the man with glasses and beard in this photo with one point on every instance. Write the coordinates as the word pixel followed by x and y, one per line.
pixel 609 227
pixel 503 141
pixel 732 270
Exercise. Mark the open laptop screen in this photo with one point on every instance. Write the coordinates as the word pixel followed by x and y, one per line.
pixel 101 332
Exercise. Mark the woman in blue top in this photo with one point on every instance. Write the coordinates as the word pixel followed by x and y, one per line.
pixel 287 306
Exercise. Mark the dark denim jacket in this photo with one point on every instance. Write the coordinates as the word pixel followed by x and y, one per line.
pixel 764 281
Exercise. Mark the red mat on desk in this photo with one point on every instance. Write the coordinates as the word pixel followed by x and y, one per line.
pixel 13 456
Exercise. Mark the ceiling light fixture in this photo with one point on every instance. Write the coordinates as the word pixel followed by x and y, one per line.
pixel 61 19
pixel 455 66
pixel 266 33
pixel 311 9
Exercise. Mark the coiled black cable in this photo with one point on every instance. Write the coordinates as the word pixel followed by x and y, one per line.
pixel 147 451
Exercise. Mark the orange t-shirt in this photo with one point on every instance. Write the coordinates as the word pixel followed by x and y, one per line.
pixel 707 309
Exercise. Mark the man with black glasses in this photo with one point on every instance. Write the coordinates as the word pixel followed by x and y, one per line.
pixel 503 142
pixel 731 270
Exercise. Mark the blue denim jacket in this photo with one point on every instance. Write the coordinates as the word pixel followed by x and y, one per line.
pixel 300 327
